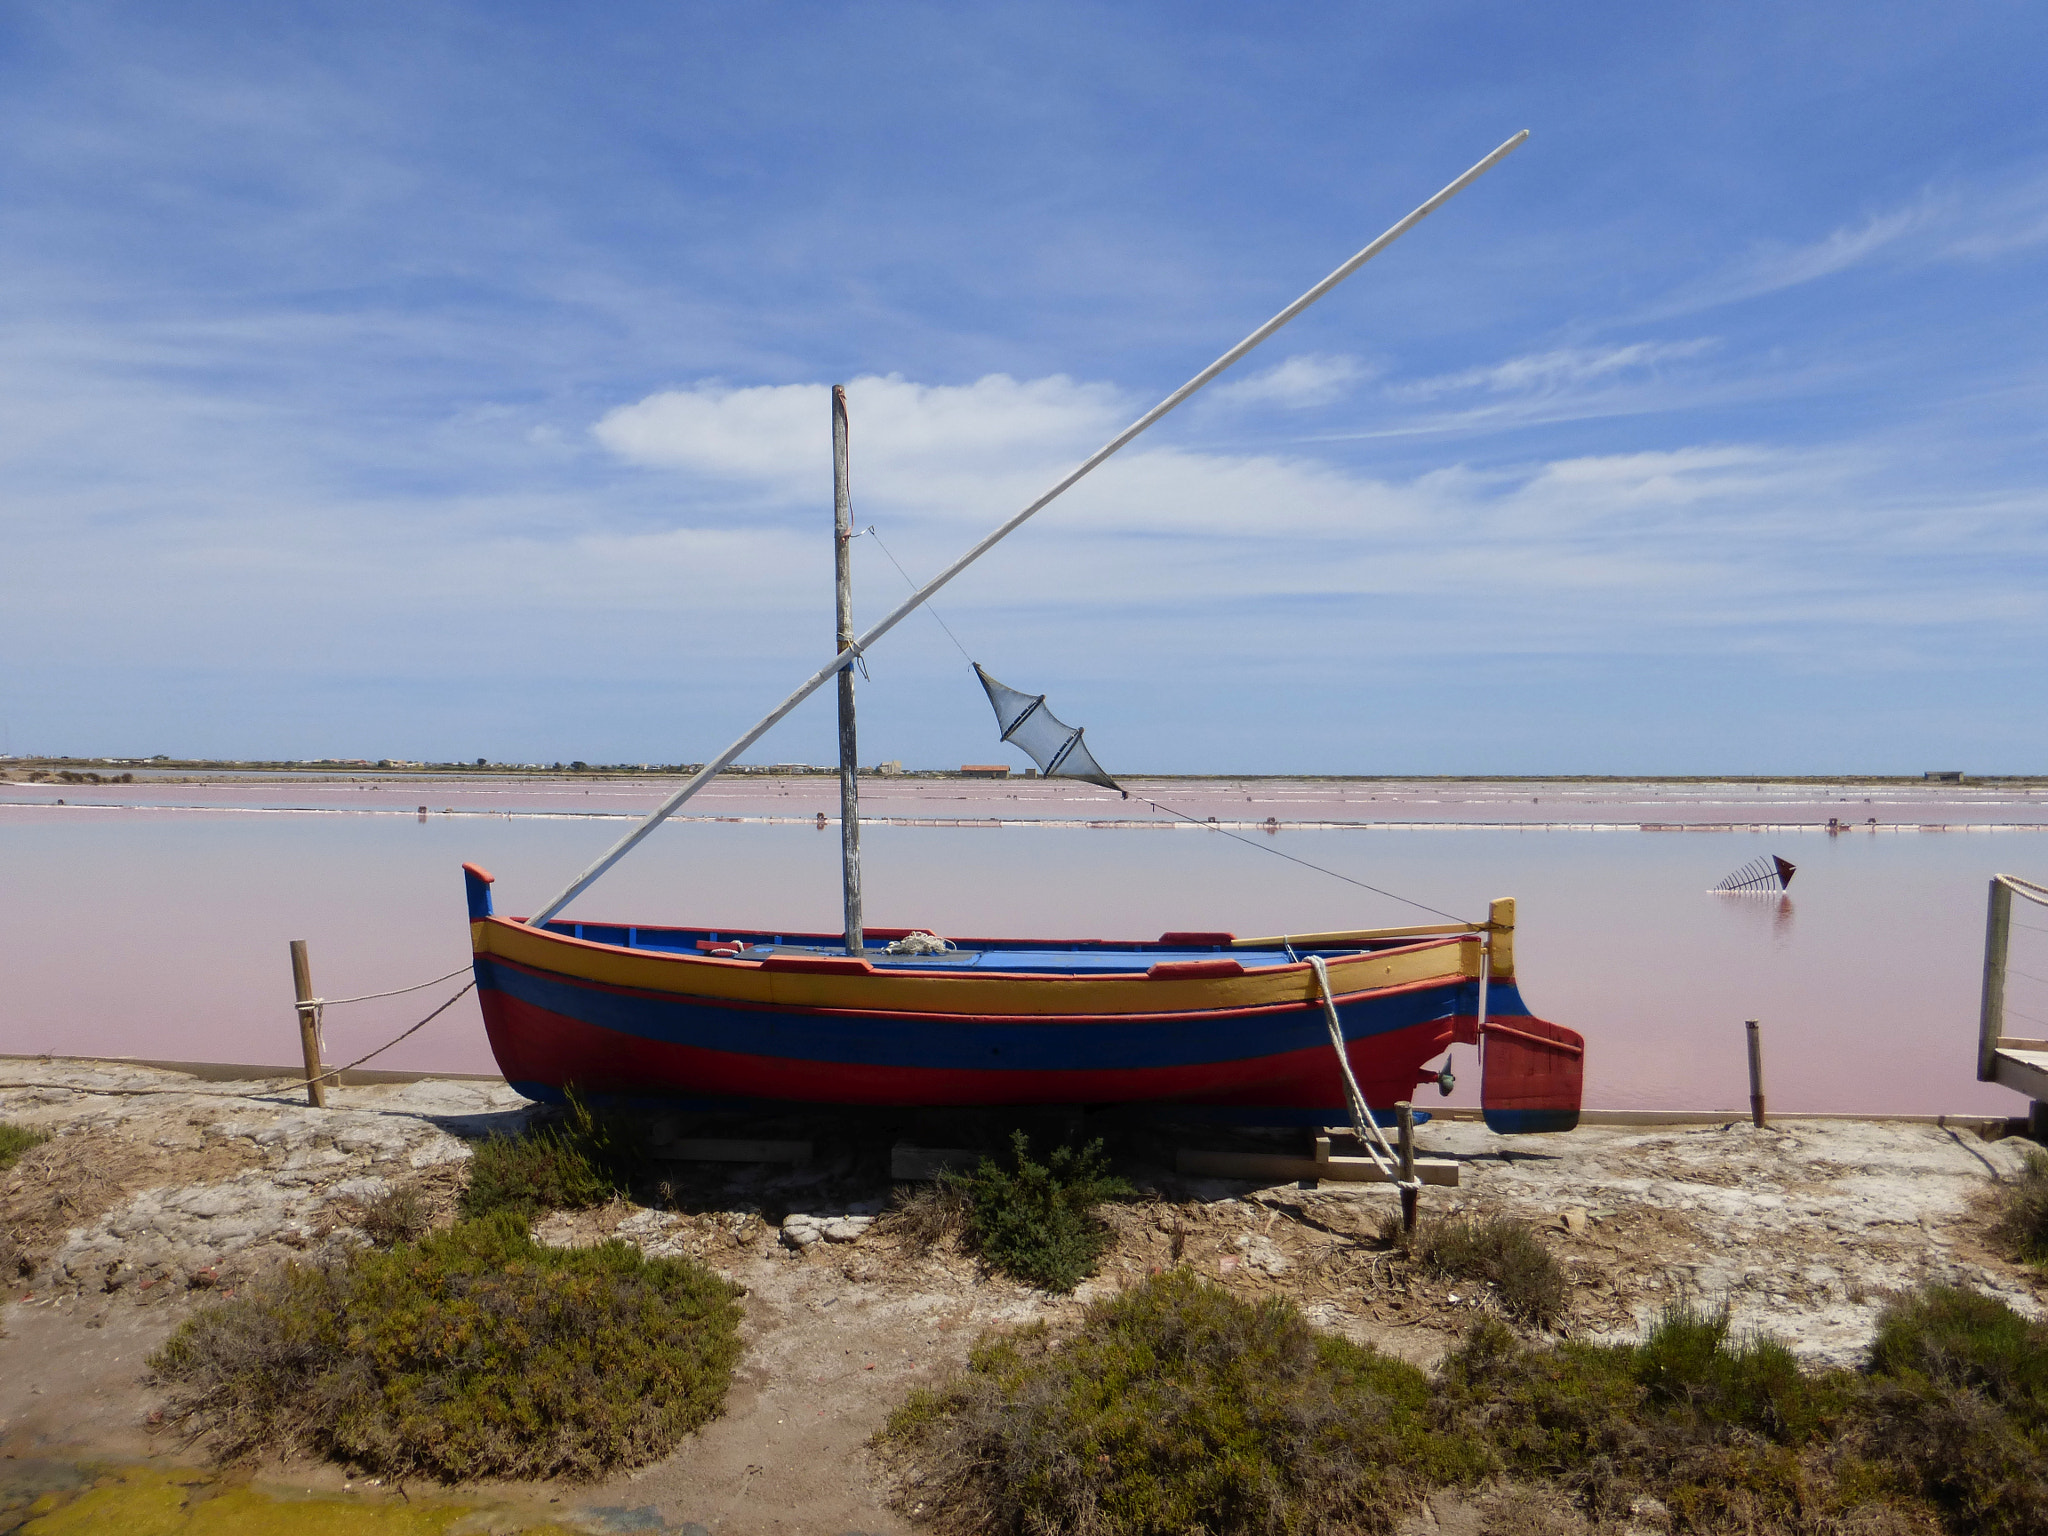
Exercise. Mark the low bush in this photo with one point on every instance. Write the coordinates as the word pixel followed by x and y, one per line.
pixel 17 1139
pixel 1960 1406
pixel 2022 1223
pixel 570 1162
pixel 1958 1338
pixel 1177 1408
pixel 475 1352
pixel 1036 1222
pixel 1688 1365
pixel 1527 1280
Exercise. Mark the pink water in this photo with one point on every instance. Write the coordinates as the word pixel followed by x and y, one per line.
pixel 152 919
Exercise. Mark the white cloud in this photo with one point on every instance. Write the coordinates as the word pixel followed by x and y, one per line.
pixel 1304 380
pixel 925 443
pixel 1698 539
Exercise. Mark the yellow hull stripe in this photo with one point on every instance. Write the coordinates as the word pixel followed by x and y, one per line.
pixel 993 993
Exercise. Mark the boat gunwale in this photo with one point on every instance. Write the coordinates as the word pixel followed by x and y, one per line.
pixel 745 966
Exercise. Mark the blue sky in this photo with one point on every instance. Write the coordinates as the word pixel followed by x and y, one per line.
pixel 449 381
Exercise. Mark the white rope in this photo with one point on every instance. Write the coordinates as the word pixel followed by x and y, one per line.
pixel 2037 894
pixel 336 1002
pixel 1354 1100
pixel 423 1023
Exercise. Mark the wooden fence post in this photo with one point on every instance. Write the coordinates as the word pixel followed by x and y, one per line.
pixel 1756 1071
pixel 309 1024
pixel 1410 1195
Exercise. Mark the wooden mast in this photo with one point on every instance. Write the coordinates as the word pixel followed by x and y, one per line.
pixel 849 784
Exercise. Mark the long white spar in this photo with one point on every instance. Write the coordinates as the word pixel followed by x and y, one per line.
pixel 910 604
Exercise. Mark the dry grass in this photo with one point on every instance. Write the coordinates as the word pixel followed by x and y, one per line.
pixel 68 1180
pixel 1527 1281
pixel 923 1216
pixel 401 1215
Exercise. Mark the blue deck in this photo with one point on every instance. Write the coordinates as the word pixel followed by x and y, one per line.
pixel 1056 957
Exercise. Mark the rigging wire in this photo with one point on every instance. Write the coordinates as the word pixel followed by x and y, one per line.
pixel 926 605
pixel 1209 826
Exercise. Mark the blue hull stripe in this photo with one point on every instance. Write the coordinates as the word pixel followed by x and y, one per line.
pixel 1046 1044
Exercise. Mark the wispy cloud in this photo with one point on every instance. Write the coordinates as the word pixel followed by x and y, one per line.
pixel 1953 222
pixel 1303 381
pixel 1551 373
pixel 1770 269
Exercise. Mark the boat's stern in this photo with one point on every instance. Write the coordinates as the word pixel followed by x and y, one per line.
pixel 1532 1074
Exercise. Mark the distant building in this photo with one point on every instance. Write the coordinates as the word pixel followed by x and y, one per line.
pixel 986 770
pixel 890 769
pixel 1943 775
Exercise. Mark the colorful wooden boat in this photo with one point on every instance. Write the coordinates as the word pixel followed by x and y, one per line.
pixel 1202 1022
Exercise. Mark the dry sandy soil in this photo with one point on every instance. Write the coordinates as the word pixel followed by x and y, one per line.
pixel 161 1193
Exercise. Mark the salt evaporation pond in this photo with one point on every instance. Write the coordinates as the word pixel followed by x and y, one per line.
pixel 152 919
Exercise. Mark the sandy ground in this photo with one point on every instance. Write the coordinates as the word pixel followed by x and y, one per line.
pixel 176 1191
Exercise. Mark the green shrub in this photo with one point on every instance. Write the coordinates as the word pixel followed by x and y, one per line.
pixel 1957 1449
pixel 1036 1222
pixel 1687 1364
pixel 1731 1436
pixel 569 1163
pixel 1176 1408
pixel 473 1353
pixel 1958 1338
pixel 1527 1280
pixel 2022 1223
pixel 17 1139
pixel 1959 1403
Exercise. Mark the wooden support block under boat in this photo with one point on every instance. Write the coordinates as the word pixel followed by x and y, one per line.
pixel 712 1150
pixel 1280 1167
